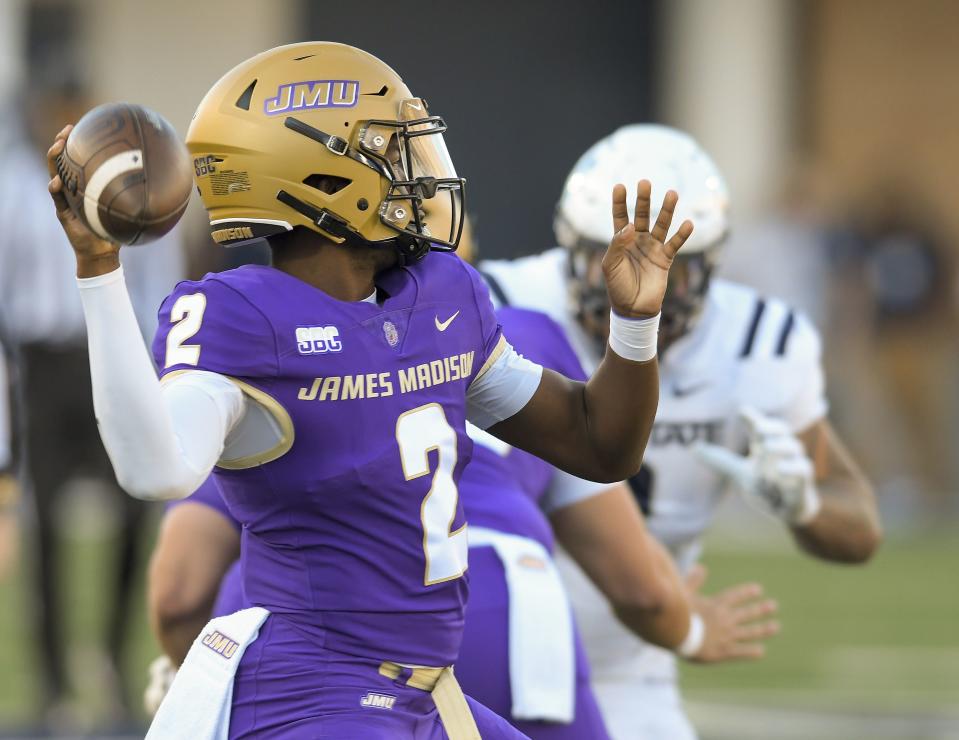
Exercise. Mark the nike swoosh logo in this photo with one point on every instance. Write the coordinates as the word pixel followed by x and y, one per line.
pixel 682 392
pixel 442 325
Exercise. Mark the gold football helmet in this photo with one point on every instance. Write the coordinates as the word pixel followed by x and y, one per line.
pixel 325 136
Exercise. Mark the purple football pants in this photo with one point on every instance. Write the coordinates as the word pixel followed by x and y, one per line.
pixel 483 665
pixel 288 687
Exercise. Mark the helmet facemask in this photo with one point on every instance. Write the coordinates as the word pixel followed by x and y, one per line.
pixel 685 297
pixel 425 200
pixel 422 175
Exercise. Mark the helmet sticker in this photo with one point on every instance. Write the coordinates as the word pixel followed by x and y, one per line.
pixel 311 94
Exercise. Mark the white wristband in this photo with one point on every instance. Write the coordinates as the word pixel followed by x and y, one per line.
pixel 695 638
pixel 633 339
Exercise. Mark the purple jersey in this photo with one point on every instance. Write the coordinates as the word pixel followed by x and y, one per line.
pixel 501 490
pixel 352 528
pixel 207 494
pixel 502 486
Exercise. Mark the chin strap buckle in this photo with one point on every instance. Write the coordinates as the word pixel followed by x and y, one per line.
pixel 331 224
pixel 337 145
pixel 336 227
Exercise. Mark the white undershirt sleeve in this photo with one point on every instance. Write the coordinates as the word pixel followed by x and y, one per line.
pixel 163 443
pixel 502 388
pixel 565 490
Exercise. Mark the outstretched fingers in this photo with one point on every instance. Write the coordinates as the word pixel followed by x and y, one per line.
pixel 736 595
pixel 679 238
pixel 644 191
pixel 756 610
pixel 665 217
pixel 757 631
pixel 620 212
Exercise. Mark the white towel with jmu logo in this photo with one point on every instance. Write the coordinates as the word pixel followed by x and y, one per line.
pixel 198 703
pixel 542 655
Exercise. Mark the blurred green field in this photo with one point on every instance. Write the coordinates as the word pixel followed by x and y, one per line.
pixel 874 641
pixel 878 641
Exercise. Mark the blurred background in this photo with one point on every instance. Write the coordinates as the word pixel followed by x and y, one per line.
pixel 836 123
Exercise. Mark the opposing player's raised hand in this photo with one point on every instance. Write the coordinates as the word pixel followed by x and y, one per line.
pixel 637 262
pixel 738 620
pixel 95 256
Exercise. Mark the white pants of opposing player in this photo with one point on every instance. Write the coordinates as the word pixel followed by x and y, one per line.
pixel 638 711
pixel 636 684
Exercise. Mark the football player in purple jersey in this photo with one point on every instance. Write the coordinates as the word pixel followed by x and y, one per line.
pixel 331 390
pixel 505 493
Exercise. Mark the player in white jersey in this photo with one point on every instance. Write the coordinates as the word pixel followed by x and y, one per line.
pixel 739 372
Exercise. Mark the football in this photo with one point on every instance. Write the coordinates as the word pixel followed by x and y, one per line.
pixel 125 173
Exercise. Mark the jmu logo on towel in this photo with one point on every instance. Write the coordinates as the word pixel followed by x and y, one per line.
pixel 378 701
pixel 220 644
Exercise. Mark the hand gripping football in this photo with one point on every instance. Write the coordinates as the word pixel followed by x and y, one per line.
pixel 125 173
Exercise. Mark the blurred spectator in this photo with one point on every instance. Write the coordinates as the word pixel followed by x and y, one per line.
pixel 879 285
pixel 893 286
pixel 41 307
pixel 784 254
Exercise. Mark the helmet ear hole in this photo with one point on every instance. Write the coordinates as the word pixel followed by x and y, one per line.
pixel 329 184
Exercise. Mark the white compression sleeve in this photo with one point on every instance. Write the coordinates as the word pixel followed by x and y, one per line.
pixel 163 445
pixel 503 389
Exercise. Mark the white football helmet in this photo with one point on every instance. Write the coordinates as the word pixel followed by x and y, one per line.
pixel 669 159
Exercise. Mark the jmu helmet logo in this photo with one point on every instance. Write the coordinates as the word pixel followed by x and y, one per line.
pixel 318 340
pixel 312 94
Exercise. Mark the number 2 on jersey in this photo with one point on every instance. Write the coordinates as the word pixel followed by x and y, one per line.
pixel 187 312
pixel 418 431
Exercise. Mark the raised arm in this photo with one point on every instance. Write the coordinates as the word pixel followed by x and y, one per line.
pixel 598 430
pixel 162 443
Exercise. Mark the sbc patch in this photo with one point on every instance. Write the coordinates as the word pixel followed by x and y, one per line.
pixel 318 340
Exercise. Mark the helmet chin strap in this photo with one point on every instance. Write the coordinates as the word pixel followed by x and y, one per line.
pixel 408 248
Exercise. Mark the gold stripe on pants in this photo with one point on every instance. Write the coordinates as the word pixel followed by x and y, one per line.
pixel 447 695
